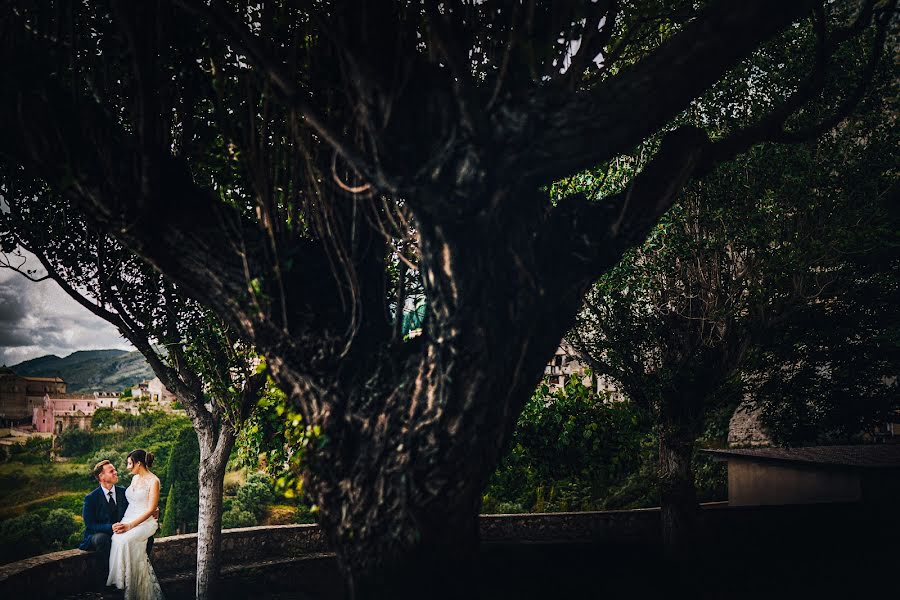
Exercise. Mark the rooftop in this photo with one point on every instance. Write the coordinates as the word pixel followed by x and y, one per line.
pixel 871 456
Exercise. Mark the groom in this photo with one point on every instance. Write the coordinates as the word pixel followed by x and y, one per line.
pixel 102 508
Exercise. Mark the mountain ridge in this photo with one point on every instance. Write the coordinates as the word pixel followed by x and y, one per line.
pixel 90 370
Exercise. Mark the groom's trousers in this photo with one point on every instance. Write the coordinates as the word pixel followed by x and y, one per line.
pixel 100 543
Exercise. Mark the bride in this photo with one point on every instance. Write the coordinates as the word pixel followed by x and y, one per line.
pixel 129 566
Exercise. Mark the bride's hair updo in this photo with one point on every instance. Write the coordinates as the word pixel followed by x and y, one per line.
pixel 141 456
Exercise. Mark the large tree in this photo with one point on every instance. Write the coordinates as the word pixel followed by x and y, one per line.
pixel 264 156
pixel 777 254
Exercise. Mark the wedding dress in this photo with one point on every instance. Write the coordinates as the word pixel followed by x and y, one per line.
pixel 129 566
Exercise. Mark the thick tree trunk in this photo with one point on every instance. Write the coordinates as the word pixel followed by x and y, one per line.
pixel 214 452
pixel 411 438
pixel 678 501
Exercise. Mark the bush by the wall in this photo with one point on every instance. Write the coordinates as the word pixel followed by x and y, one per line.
pixel 238 517
pixel 256 493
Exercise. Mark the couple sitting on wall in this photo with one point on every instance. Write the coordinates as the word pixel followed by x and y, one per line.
pixel 119 525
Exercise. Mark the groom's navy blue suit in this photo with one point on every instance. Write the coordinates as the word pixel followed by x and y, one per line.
pixel 96 514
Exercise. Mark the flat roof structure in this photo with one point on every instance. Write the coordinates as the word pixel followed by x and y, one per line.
pixel 863 456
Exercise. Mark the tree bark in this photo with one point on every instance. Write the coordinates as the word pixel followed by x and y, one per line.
pixel 214 452
pixel 678 495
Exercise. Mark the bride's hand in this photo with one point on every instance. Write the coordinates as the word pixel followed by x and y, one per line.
pixel 121 527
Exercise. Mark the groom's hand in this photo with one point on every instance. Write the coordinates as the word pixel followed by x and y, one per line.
pixel 156 513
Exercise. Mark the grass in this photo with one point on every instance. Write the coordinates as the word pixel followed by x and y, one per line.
pixel 21 483
pixel 70 501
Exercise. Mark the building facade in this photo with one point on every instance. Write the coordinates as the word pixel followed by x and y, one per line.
pixel 20 395
pixel 566 363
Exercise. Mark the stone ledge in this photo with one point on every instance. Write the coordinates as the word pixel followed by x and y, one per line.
pixel 65 573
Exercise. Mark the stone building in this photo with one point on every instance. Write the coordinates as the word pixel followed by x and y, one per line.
pixel 154 391
pixel 58 414
pixel 20 395
pixel 158 392
pixel 565 363
pixel 745 428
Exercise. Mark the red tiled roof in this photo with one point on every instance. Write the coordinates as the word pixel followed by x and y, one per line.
pixel 862 456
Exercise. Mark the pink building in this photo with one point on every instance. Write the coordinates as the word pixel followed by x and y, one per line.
pixel 57 414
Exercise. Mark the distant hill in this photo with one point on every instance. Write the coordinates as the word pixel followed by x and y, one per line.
pixel 90 370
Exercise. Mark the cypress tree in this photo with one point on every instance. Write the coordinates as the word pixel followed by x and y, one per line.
pixel 169 524
pixel 181 472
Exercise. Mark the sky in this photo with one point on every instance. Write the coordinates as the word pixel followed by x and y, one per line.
pixel 37 319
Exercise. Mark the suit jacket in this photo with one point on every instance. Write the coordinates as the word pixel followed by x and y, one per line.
pixel 95 513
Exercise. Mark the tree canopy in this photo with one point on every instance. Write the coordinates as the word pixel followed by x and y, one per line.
pixel 271 158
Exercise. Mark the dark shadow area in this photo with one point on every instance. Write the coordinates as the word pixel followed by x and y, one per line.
pixel 817 551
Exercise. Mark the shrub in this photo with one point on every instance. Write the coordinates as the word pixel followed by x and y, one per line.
pixel 74 442
pixel 304 514
pixel 19 537
pixel 509 508
pixel 103 418
pixel 57 527
pixel 116 457
pixel 34 451
pixel 238 517
pixel 256 493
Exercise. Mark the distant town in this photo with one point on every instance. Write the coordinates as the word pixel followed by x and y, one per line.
pixel 42 407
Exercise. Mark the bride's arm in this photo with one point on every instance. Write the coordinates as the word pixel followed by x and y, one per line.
pixel 151 508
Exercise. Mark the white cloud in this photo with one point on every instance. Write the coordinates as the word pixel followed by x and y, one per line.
pixel 37 319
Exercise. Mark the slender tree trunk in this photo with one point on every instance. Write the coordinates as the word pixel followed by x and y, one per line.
pixel 678 495
pixel 214 452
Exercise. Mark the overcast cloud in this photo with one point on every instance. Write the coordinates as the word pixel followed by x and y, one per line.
pixel 37 319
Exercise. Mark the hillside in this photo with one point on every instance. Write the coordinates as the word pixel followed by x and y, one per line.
pixel 90 370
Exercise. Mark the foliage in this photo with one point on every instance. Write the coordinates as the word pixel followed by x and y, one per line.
pixel 58 528
pixel 573 449
pixel 117 457
pixel 169 525
pixel 74 442
pixel 20 537
pixel 104 418
pixel 181 485
pixel 38 532
pixel 277 439
pixel 569 449
pixel 256 493
pixel 829 374
pixel 35 451
pixel 237 517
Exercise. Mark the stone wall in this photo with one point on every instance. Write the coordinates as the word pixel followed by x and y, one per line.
pixel 745 428
pixel 303 549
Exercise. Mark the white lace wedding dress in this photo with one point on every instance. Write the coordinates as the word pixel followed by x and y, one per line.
pixel 129 566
